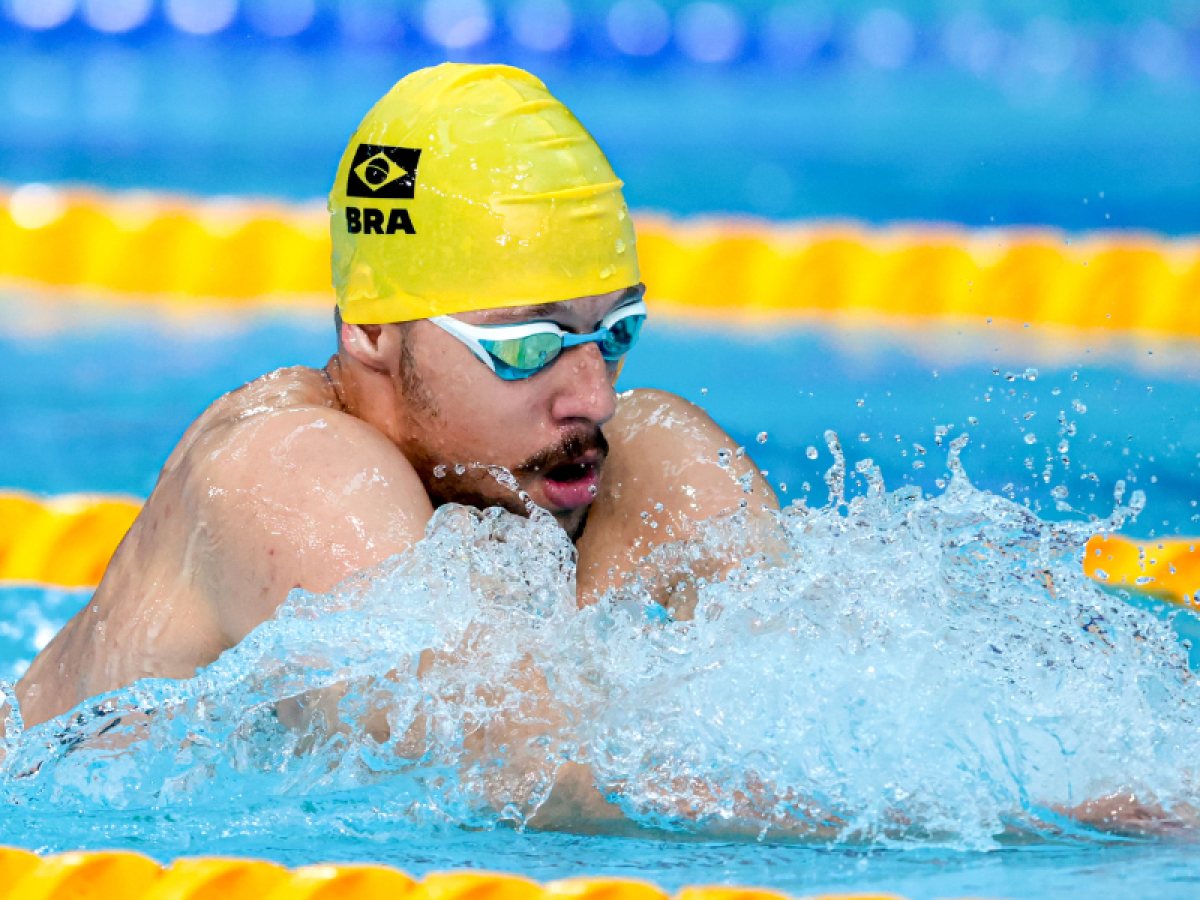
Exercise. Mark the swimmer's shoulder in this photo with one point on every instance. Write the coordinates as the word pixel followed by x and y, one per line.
pixel 295 387
pixel 657 437
pixel 666 447
pixel 295 492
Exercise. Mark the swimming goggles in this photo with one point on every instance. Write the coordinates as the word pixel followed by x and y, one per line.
pixel 515 352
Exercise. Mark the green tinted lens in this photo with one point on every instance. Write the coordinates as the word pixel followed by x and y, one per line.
pixel 521 357
pixel 621 337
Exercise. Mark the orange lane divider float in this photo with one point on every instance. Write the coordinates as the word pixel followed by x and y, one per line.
pixel 131 876
pixel 68 541
pixel 241 252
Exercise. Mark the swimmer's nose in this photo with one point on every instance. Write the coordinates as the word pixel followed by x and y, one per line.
pixel 583 387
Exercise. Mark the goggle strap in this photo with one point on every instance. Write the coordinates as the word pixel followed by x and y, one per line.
pixel 462 331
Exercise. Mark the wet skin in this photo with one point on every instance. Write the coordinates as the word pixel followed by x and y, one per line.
pixel 305 476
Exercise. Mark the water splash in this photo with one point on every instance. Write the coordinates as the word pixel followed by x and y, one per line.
pixel 888 669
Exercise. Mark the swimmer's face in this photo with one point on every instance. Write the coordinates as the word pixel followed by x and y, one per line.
pixel 454 414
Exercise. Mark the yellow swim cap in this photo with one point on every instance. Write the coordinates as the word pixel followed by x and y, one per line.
pixel 470 187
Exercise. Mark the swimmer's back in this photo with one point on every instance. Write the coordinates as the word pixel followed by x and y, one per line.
pixel 273 487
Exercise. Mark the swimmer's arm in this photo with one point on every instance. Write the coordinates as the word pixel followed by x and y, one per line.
pixel 301 498
pixel 577 805
pixel 670 468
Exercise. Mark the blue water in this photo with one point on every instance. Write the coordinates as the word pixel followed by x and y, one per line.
pixel 887 661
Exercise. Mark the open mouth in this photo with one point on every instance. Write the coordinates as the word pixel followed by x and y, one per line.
pixel 569 472
pixel 573 484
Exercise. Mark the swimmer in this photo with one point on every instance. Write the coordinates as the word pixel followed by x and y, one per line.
pixel 488 291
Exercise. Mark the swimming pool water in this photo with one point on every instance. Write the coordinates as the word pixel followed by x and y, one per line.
pixel 100 396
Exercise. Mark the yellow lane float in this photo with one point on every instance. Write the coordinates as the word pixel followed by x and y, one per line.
pixel 131 876
pixel 234 251
pixel 1167 569
pixel 64 541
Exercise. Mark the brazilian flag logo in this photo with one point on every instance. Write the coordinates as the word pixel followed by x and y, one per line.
pixel 382 172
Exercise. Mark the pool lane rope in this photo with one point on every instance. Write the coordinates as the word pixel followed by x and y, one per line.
pixel 63 541
pixel 239 252
pixel 67 541
pixel 131 876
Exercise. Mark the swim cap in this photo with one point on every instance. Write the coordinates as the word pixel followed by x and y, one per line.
pixel 470 187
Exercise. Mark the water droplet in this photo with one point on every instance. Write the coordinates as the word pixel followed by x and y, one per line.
pixel 1143 580
pixel 919 464
pixel 783 487
pixel 811 452
pixel 1101 574
pixel 972 420
pixel 723 458
pixel 658 507
pixel 1031 438
pixel 439 471
pixel 1031 374
pixel 620 246
pixel 741 451
pixel 607 272
pixel 762 437
pixel 859 402
pixel 593 489
pixel 1059 493
pixel 460 469
pixel 864 437
pixel 805 486
pixel 703 391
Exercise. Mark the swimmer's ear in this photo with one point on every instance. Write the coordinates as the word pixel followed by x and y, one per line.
pixel 375 346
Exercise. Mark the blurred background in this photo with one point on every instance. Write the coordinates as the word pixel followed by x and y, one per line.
pixel 1052 112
